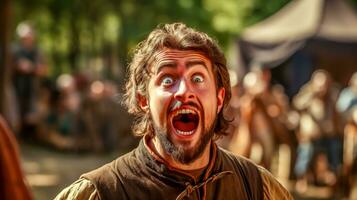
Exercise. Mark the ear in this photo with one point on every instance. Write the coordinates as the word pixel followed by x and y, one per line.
pixel 143 102
pixel 220 98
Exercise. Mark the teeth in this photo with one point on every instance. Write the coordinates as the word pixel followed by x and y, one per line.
pixel 184 111
pixel 184 133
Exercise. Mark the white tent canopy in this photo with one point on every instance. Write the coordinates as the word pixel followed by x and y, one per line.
pixel 333 20
pixel 313 33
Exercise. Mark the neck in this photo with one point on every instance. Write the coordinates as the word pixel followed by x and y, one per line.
pixel 201 162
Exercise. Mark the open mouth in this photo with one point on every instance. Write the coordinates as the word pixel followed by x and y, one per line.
pixel 185 121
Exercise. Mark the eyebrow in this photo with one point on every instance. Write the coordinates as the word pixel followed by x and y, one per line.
pixel 189 64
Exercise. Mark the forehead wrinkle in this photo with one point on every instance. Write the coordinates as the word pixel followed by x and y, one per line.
pixel 173 65
pixel 168 58
pixel 195 62
pixel 164 64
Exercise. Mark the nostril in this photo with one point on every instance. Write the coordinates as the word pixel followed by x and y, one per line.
pixel 178 97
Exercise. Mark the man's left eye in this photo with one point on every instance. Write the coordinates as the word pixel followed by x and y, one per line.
pixel 197 79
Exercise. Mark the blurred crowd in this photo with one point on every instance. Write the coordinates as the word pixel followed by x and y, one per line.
pixel 72 112
pixel 310 138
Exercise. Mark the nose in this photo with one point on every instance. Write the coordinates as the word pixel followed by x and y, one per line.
pixel 183 92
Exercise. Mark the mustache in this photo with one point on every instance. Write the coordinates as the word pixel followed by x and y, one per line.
pixel 177 104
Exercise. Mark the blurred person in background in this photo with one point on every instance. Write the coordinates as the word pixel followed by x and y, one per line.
pixel 232 110
pixel 347 99
pixel 29 67
pixel 178 86
pixel 262 126
pixel 347 107
pixel 319 133
pixel 103 122
pixel 350 154
pixel 12 183
pixel 59 126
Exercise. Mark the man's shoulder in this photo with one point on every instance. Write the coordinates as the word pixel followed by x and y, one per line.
pixel 111 170
pixel 228 156
pixel 256 176
pixel 245 171
pixel 98 183
pixel 82 189
pixel 272 188
pixel 108 177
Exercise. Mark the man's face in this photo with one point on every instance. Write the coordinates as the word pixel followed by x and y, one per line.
pixel 29 40
pixel 183 102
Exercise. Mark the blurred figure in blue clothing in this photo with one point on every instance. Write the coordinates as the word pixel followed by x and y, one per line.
pixel 347 107
pixel 348 98
pixel 319 133
pixel 28 68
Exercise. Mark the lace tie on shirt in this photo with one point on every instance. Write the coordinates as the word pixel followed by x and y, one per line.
pixel 189 188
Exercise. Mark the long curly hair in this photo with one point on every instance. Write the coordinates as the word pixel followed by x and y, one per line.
pixel 180 37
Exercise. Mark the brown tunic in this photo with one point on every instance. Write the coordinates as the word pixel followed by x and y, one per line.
pixel 139 175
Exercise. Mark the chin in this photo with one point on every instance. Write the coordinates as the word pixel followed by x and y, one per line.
pixel 184 151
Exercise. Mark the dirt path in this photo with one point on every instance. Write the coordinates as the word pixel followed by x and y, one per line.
pixel 49 171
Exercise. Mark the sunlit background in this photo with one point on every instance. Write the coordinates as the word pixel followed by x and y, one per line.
pixel 67 118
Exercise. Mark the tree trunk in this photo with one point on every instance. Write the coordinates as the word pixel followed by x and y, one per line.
pixel 74 51
pixel 4 52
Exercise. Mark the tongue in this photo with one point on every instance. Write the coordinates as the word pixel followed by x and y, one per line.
pixel 184 126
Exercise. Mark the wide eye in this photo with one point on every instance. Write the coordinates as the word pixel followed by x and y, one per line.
pixel 197 78
pixel 167 81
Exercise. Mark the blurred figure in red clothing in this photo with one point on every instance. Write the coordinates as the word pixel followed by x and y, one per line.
pixel 12 184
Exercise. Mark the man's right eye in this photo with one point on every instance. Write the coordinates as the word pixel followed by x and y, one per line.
pixel 167 81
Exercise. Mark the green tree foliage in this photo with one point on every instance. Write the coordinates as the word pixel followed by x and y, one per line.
pixel 98 34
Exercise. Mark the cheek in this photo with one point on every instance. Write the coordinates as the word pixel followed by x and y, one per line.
pixel 159 102
pixel 210 105
pixel 208 99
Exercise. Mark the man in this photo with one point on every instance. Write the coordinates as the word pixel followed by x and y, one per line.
pixel 28 71
pixel 320 146
pixel 178 87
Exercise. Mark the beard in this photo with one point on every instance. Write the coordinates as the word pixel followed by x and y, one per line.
pixel 180 152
